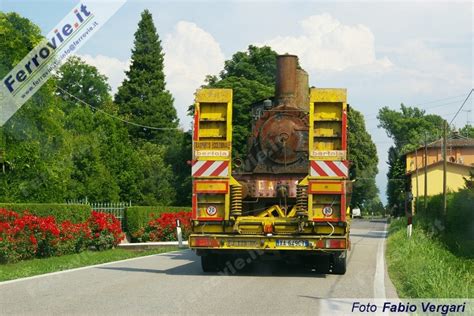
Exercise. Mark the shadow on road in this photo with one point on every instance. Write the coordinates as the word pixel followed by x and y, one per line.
pixel 256 268
pixel 372 234
pixel 378 220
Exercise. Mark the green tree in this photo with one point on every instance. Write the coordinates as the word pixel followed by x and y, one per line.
pixel 19 36
pixel 397 182
pixel 37 152
pixel 143 97
pixel 91 177
pixel 119 155
pixel 375 206
pixel 257 63
pixel 407 128
pixel 179 154
pixel 84 82
pixel 364 160
pixel 467 131
pixel 251 75
pixel 157 188
pixel 106 165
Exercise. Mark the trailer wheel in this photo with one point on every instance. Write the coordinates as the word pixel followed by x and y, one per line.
pixel 210 263
pixel 339 263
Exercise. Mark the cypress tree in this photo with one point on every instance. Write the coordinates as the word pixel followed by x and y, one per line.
pixel 143 97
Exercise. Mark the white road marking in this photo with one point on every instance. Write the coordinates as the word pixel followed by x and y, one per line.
pixel 79 269
pixel 379 279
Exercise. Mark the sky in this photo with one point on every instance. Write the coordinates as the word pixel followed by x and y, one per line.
pixel 384 52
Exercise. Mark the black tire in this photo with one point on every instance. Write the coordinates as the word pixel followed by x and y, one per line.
pixel 210 263
pixel 339 263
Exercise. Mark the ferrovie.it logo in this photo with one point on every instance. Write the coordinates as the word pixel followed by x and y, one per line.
pixel 60 38
pixel 37 66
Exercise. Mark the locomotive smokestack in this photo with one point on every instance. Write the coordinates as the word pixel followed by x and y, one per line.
pixel 302 90
pixel 285 90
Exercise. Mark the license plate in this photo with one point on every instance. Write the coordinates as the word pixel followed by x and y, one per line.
pixel 292 243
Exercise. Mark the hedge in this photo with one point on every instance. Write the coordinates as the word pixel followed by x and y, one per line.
pixel 25 236
pixel 137 217
pixel 456 230
pixel 75 213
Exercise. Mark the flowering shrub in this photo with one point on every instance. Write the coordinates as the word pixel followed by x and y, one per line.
pixel 74 237
pixel 28 236
pixel 105 229
pixel 137 217
pixel 163 228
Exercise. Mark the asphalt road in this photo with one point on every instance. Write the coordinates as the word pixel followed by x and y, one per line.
pixel 173 283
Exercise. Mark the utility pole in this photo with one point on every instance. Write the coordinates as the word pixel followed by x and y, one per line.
pixel 444 166
pixel 425 163
pixel 416 182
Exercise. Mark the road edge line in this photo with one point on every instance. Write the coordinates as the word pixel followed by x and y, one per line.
pixel 81 268
pixel 379 277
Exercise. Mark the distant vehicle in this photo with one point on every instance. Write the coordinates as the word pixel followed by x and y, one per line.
pixel 356 213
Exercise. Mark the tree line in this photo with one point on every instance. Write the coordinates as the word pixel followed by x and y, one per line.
pixel 70 142
pixel 408 127
pixel 74 140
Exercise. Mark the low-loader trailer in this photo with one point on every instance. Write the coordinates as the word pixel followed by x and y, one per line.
pixel 289 197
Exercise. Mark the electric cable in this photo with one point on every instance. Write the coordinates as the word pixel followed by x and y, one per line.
pixel 116 117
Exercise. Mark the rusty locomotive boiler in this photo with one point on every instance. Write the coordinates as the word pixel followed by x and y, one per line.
pixel 278 146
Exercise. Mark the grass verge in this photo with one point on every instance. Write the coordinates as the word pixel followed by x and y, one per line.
pixel 41 266
pixel 422 267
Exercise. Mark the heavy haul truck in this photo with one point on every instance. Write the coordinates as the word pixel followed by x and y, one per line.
pixel 289 197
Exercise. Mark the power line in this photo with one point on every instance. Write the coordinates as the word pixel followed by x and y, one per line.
pixel 438 105
pixel 116 117
pixel 428 108
pixel 377 128
pixel 467 98
pixel 434 101
pixel 428 102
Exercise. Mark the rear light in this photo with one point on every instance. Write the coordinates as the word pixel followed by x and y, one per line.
pixel 336 243
pixel 331 243
pixel 204 242
pixel 268 228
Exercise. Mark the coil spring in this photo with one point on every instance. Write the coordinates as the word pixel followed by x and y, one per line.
pixel 236 200
pixel 302 200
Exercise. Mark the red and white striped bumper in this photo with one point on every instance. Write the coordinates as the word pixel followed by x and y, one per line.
pixel 210 168
pixel 329 168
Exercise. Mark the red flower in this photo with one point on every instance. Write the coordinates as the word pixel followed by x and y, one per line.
pixel 107 230
pixel 27 236
pixel 163 228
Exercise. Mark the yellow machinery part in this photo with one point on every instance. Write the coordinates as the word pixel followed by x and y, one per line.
pixel 236 200
pixel 269 212
pixel 302 200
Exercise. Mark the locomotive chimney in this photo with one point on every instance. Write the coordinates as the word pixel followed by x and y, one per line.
pixel 285 90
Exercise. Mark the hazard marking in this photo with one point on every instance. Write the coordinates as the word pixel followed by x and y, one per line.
pixel 210 168
pixel 329 168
